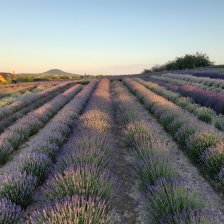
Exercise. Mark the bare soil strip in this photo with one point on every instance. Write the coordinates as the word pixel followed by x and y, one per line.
pixel 214 200
pixel 127 205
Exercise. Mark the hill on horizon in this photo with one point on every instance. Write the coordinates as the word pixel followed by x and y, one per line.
pixel 57 72
pixel 53 72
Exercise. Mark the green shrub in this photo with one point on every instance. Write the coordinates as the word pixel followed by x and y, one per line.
pixel 198 142
pixel 168 197
pixel 152 167
pixel 205 114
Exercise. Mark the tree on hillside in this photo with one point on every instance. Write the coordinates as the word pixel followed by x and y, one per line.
pixel 186 62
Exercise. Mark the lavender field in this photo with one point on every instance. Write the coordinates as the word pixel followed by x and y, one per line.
pixel 113 151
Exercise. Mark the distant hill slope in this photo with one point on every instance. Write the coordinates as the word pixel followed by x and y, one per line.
pixel 53 74
pixel 56 72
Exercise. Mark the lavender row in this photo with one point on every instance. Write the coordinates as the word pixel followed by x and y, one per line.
pixel 26 84
pixel 208 97
pixel 32 166
pixel 19 132
pixel 204 97
pixel 6 122
pixel 167 195
pixel 13 97
pixel 82 172
pixel 201 142
pixel 202 113
pixel 215 85
pixel 29 99
pixel 16 96
pixel 8 90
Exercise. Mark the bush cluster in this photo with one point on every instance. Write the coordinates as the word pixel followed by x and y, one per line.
pixel 33 164
pixel 166 193
pixel 194 136
pixel 83 187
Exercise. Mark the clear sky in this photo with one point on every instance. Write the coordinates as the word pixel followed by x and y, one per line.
pixel 107 36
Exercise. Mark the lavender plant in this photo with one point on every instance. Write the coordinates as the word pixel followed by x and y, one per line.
pixel 74 210
pixel 84 180
pixel 90 156
pixel 192 216
pixel 170 196
pixel 213 159
pixel 18 187
pixel 9 211
pixel 152 167
pixel 28 125
pixel 200 141
pixel 35 164
pixel 163 189
pixel 138 135
pixel 186 130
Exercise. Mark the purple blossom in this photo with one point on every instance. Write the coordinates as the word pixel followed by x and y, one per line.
pixel 9 211
pixel 85 180
pixel 28 99
pixel 192 216
pixel 35 164
pixel 18 187
pixel 29 124
pixel 74 210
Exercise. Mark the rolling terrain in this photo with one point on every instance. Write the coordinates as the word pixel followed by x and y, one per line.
pixel 141 149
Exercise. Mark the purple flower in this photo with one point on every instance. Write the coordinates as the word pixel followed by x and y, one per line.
pixel 18 187
pixel 74 210
pixel 9 211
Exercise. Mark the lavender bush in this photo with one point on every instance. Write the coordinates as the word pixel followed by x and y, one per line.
pixel 192 216
pixel 9 211
pixel 35 164
pixel 90 156
pixel 163 193
pixel 84 180
pixel 18 187
pixel 74 210
pixel 163 189
pixel 200 141
pixel 138 135
pixel 193 135
pixel 28 99
pixel 152 167
pixel 28 125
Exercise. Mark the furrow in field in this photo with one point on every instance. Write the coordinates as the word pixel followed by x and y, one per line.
pixel 33 163
pixel 17 96
pixel 200 141
pixel 205 97
pixel 8 90
pixel 202 113
pixel 29 99
pixel 81 186
pixel 172 189
pixel 9 120
pixel 28 125
pixel 215 85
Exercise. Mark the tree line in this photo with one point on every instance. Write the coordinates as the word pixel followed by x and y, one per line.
pixel 188 61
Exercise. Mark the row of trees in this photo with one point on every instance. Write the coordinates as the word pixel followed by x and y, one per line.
pixel 186 62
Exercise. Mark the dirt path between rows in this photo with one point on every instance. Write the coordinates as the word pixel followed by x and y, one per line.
pixel 128 205
pixel 214 201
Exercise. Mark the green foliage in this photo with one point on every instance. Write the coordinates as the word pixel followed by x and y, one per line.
pixel 200 141
pixel 205 114
pixel 189 61
pixel 153 166
pixel 163 195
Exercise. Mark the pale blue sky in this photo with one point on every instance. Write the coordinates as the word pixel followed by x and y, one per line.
pixel 106 36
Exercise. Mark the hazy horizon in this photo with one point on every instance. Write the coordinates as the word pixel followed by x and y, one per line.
pixel 106 37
